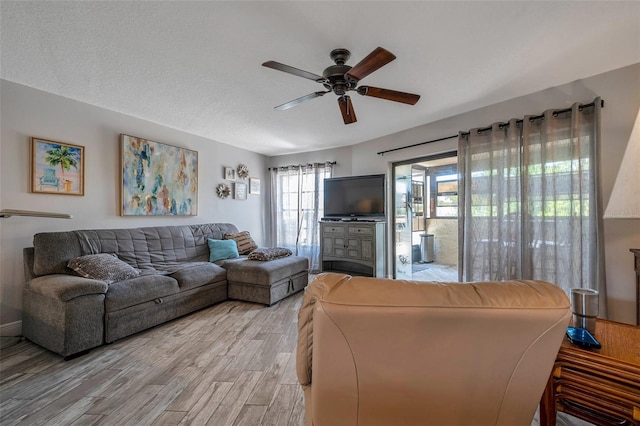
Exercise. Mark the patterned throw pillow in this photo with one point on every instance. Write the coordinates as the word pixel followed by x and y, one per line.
pixel 269 253
pixel 243 240
pixel 103 266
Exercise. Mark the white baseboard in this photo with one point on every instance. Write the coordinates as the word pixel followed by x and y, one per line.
pixel 12 329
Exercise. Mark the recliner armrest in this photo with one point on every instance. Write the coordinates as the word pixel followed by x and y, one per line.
pixel 66 287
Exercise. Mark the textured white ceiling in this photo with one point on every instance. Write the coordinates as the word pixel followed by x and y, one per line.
pixel 196 66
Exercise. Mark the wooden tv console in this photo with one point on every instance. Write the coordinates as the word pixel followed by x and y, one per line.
pixel 353 247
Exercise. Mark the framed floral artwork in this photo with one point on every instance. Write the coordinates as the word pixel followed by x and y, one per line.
pixel 56 167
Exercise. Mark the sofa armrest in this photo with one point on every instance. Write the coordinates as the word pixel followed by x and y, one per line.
pixel 66 287
pixel 320 285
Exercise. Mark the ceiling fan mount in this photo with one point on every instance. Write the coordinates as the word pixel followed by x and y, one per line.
pixel 340 56
pixel 334 76
pixel 341 78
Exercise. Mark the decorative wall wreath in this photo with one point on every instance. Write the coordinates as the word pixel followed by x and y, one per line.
pixel 243 171
pixel 223 190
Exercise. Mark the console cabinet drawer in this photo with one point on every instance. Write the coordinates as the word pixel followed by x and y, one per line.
pixel 359 230
pixel 333 229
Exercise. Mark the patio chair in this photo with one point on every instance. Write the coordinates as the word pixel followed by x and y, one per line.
pixel 49 179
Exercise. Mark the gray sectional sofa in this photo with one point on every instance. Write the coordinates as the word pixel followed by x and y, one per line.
pixel 70 314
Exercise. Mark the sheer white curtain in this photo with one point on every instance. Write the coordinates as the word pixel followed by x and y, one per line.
pixel 529 200
pixel 297 206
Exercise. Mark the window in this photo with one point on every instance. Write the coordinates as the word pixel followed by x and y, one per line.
pixel 443 192
pixel 529 200
pixel 298 198
pixel 447 196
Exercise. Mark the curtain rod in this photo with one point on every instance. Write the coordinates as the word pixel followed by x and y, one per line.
pixel 302 165
pixel 535 117
pixel 417 144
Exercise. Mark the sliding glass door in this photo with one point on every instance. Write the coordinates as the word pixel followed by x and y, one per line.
pixel 402 221
pixel 424 222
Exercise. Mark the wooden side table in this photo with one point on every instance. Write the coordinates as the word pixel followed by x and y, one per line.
pixel 601 386
pixel 636 265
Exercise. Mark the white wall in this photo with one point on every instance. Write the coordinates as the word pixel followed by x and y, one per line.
pixel 342 157
pixel 618 88
pixel 27 112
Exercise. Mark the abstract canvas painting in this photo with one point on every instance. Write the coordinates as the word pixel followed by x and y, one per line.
pixel 56 167
pixel 157 179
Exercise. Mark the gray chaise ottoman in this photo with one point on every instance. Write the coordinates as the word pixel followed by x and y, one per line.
pixel 266 282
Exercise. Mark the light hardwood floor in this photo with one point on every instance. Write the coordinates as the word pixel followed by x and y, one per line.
pixel 229 364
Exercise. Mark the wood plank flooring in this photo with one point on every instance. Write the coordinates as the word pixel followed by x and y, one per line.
pixel 229 364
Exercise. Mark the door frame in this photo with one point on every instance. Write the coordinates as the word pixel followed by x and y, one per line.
pixel 391 203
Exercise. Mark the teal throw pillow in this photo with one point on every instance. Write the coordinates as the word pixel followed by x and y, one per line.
pixel 222 249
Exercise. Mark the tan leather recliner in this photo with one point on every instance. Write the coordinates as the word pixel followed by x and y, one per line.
pixel 390 352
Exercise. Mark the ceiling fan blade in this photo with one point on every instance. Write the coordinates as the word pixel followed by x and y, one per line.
pixel 374 60
pixel 390 95
pixel 291 70
pixel 299 100
pixel 346 108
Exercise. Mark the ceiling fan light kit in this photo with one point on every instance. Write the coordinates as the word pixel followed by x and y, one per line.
pixel 341 78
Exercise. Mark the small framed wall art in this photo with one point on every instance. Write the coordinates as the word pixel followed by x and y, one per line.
pixel 229 173
pixel 240 190
pixel 254 186
pixel 56 167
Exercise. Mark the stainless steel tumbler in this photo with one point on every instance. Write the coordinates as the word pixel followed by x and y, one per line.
pixel 584 305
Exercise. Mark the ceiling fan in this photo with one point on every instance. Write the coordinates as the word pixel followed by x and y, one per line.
pixel 341 78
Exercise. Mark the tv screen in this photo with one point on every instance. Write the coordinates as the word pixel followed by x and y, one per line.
pixel 354 196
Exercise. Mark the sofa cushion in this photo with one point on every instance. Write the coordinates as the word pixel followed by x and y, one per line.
pixel 196 274
pixel 265 273
pixel 123 294
pixel 222 249
pixel 103 266
pixel 270 253
pixel 52 251
pixel 161 248
pixel 244 241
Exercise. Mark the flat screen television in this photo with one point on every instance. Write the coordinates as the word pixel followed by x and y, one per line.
pixel 354 197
